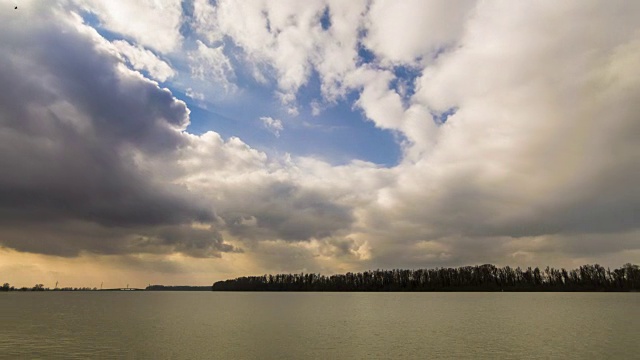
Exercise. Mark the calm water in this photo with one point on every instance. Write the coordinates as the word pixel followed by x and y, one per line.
pixel 184 325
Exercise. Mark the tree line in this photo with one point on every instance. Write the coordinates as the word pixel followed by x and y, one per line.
pixel 467 278
pixel 40 287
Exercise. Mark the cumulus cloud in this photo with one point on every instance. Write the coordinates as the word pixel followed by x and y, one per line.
pixel 403 32
pixel 143 59
pixel 106 166
pixel 273 125
pixel 72 146
pixel 288 40
pixel 380 104
pixel 524 155
pixel 194 94
pixel 154 24
pixel 211 64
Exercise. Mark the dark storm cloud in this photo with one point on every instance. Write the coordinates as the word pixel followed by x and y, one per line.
pixel 69 121
pixel 70 238
pixel 288 212
pixel 196 242
pixel 72 124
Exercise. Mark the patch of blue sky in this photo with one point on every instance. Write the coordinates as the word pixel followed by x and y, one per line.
pixel 233 117
pixel 404 82
pixel 365 56
pixel 441 118
pixel 325 19
pixel 338 135
pixel 187 17
pixel 229 112
pixel 340 132
pixel 92 20
pixel 188 8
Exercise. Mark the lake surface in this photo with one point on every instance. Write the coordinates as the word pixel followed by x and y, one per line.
pixel 230 325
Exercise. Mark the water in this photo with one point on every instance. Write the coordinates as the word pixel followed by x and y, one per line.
pixel 208 325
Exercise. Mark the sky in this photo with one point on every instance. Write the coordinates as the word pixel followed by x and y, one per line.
pixel 190 141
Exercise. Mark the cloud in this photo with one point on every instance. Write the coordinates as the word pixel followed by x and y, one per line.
pixel 74 147
pixel 518 128
pixel 273 125
pixel 153 24
pixel 539 145
pixel 404 32
pixel 259 199
pixel 380 104
pixel 106 166
pixel 287 39
pixel 287 212
pixel 194 94
pixel 211 64
pixel 143 59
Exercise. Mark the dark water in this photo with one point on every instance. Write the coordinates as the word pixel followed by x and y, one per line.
pixel 202 325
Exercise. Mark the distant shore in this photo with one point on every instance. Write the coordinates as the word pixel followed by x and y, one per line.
pixel 479 278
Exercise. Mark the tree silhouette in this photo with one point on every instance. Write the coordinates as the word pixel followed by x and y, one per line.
pixel 485 277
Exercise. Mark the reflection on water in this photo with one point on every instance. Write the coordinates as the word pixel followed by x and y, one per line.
pixel 187 325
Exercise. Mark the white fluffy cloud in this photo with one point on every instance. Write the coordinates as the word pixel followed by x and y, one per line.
pixel 152 23
pixel 541 124
pixel 404 31
pixel 211 64
pixel 143 59
pixel 288 39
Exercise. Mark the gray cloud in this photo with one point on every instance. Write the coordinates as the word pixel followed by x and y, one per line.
pixel 73 123
pixel 97 160
pixel 286 211
pixel 543 144
pixel 539 162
